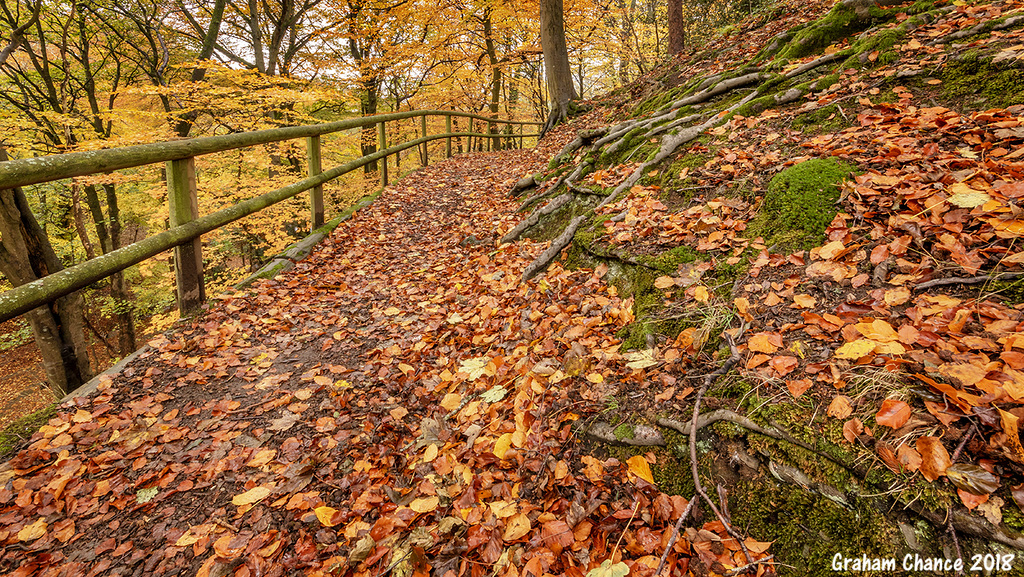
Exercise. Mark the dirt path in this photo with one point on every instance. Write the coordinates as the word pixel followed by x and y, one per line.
pixel 388 404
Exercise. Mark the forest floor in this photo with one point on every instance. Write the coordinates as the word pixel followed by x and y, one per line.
pixel 321 399
pixel 403 402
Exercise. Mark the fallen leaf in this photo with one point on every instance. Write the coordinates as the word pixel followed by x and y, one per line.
pixel 425 504
pixel 254 495
pixel 639 467
pixel 516 528
pixel 934 458
pixel 893 413
pixel 328 516
pixel 840 407
pixel 33 531
pixel 856 349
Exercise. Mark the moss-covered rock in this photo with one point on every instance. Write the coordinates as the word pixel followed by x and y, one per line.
pixel 800 203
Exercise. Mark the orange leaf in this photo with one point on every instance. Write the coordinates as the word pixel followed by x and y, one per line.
pixel 893 414
pixel 765 343
pixel 784 364
pixel 804 301
pixel 934 458
pixel 840 407
pixel 852 429
pixel 798 387
pixel 909 458
pixel 971 501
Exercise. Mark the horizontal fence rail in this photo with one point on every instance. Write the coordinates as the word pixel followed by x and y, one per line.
pixel 186 225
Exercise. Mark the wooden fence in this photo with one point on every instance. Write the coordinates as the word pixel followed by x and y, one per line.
pixel 186 226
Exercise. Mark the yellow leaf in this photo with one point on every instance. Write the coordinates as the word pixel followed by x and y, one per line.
pixel 391 311
pixel 856 349
pixel 254 495
pixel 451 401
pixel 967 197
pixel 664 282
pixel 878 330
pixel 425 504
pixel 639 467
pixel 502 509
pixel 516 527
pixel 701 293
pixel 430 454
pixel 501 446
pixel 33 531
pixel 326 515
pixel 804 301
pixel 262 458
pixel 1009 422
pixel 596 378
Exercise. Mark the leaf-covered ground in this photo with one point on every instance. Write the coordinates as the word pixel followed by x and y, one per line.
pixel 401 402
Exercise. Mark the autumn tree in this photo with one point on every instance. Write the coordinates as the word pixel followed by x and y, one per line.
pixel 63 81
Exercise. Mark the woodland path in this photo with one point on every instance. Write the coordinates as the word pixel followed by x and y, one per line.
pixel 296 427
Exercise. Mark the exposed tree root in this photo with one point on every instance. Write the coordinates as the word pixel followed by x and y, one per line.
pixel 979 29
pixel 967 280
pixel 551 206
pixel 541 263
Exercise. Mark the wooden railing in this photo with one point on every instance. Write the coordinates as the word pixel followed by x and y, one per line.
pixel 186 226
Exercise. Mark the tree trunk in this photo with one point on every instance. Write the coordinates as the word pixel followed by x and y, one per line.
pixel 492 59
pixel 676 27
pixel 26 255
pixel 556 61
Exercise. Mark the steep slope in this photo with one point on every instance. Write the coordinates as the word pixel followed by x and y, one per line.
pixel 842 198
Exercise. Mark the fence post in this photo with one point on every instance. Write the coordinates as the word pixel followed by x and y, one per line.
pixel 382 138
pixel 316 194
pixel 423 148
pixel 448 129
pixel 188 258
pixel 490 136
pixel 520 136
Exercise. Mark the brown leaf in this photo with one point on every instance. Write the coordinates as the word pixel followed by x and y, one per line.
pixel 893 413
pixel 852 429
pixel 908 457
pixel 934 458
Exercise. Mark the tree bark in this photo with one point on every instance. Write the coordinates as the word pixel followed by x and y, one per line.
pixel 556 62
pixel 26 255
pixel 676 27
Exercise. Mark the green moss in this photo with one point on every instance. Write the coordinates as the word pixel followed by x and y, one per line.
pixel 808 529
pixel 756 106
pixel 623 431
pixel 800 203
pixel 21 430
pixel 974 79
pixel 841 22
pixel 822 120
pixel 671 468
pixel 668 262
pixel 1010 292
pixel 883 42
